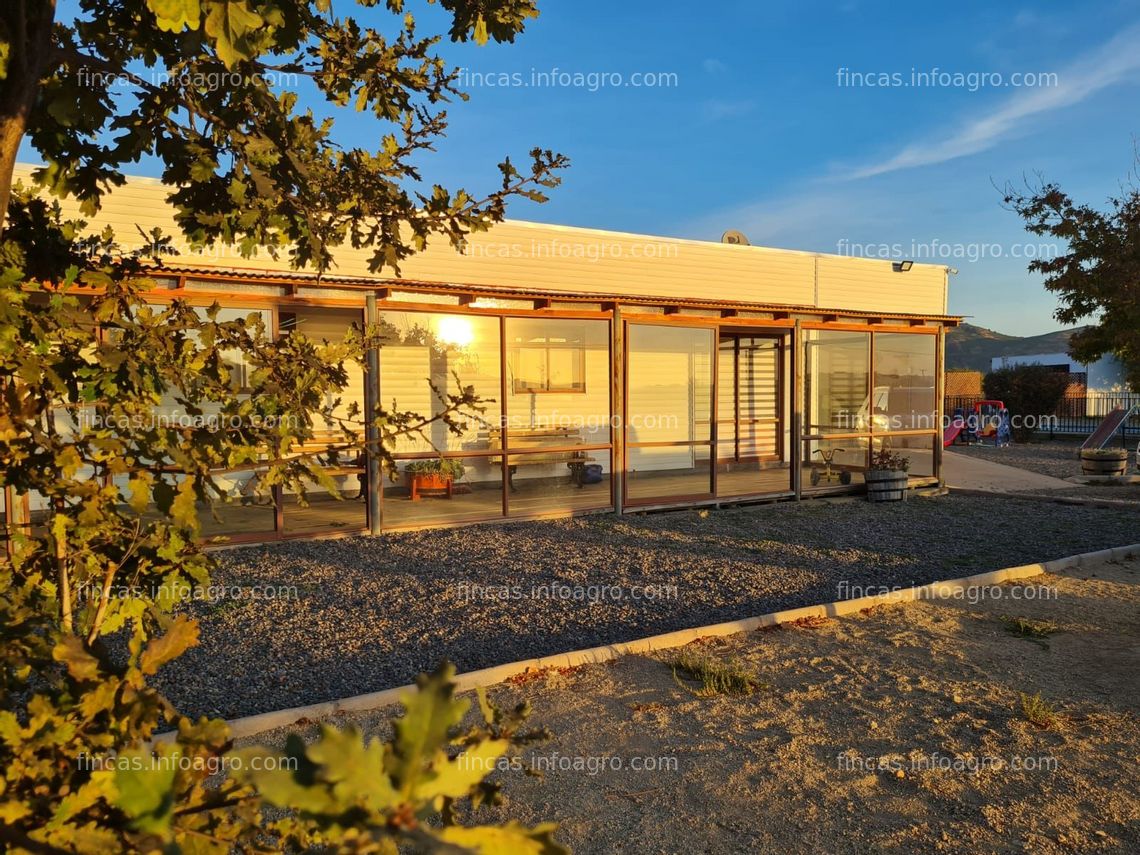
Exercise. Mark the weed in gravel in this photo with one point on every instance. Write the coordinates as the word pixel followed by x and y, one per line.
pixel 1034 630
pixel 715 677
pixel 1039 712
pixel 810 622
pixel 222 606
pixel 532 674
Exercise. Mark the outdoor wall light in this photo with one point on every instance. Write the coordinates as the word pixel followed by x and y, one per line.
pixel 902 266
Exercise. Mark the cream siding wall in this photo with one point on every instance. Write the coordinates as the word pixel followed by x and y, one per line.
pixel 518 254
pixel 331 325
pixel 873 286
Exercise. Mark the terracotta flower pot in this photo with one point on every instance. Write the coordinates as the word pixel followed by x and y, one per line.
pixel 427 482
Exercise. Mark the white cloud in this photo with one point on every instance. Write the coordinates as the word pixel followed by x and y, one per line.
pixel 1118 60
pixel 715 111
pixel 714 66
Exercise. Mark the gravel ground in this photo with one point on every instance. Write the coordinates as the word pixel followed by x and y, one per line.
pixel 896 730
pixel 371 613
pixel 1119 492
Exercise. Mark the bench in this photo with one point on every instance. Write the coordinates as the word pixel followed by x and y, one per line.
pixel 351 460
pixel 559 439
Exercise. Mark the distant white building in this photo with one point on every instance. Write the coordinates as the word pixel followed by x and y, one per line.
pixel 1104 378
pixel 1106 375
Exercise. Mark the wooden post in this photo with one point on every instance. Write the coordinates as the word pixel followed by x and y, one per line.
pixel 798 357
pixel 505 472
pixel 617 408
pixel 940 401
pixel 371 432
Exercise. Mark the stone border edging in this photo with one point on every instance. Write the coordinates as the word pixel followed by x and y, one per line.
pixel 1090 502
pixel 1104 480
pixel 254 724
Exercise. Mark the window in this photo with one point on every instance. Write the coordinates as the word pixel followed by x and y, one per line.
pixel 836 382
pixel 549 365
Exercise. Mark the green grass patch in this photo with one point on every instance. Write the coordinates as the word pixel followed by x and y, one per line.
pixel 1031 629
pixel 712 676
pixel 1039 712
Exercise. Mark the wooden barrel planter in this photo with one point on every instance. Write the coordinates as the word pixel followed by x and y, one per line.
pixel 1106 462
pixel 886 485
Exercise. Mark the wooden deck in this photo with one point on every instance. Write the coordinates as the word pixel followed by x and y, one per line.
pixel 534 497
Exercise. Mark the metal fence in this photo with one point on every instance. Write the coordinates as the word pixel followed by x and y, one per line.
pixel 1074 417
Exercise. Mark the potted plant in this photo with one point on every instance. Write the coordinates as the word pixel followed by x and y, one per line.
pixel 435 475
pixel 1107 462
pixel 886 478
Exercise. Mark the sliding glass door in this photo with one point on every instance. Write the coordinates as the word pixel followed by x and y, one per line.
pixel 669 412
pixel 751 439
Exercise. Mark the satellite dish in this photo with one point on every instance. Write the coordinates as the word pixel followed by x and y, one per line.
pixel 734 237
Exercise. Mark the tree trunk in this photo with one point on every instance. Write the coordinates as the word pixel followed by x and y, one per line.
pixel 12 129
pixel 28 24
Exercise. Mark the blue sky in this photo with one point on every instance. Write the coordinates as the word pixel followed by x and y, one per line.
pixel 755 131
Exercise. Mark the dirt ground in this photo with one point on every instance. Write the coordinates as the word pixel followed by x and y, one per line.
pixel 897 730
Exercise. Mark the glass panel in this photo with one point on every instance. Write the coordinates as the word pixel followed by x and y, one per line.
pixel 663 472
pixel 246 507
pixel 746 478
pixel 169 411
pixel 905 380
pixel 834 462
pixel 423 349
pixel 920 450
pixel 835 381
pixel 750 442
pixel 669 384
pixel 328 511
pixel 559 482
pixel 552 355
pixel 470 489
pixel 331 325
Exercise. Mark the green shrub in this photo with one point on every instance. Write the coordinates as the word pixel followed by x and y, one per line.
pixel 886 460
pixel 446 466
pixel 1028 391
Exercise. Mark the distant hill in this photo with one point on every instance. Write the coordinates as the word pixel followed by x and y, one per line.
pixel 972 347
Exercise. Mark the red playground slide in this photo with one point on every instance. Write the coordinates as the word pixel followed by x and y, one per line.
pixel 951 433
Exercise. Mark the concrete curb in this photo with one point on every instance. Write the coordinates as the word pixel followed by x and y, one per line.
pixel 250 725
pixel 1045 497
pixel 1095 480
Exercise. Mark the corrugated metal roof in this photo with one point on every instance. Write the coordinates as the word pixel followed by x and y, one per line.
pixel 511 292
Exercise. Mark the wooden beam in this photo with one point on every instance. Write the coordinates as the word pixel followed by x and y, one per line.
pixel 383 293
pixel 915 322
pixel 781 316
pixel 672 310
pixel 467 299
pixel 542 304
pixel 728 313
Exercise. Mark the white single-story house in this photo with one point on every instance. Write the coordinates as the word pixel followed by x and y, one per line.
pixel 623 372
